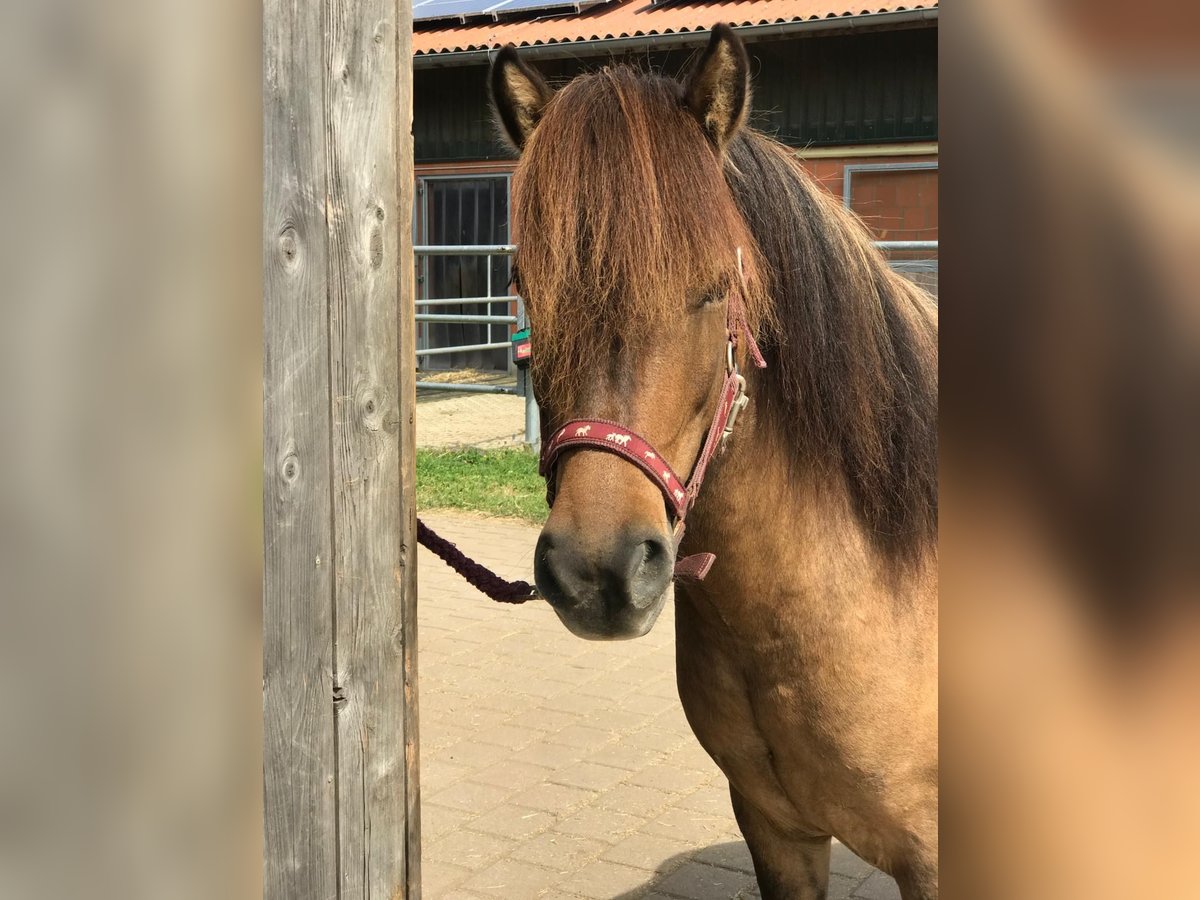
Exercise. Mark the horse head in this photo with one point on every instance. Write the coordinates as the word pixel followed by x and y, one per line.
pixel 631 252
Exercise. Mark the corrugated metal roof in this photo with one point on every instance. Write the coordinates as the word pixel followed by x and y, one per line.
pixel 636 18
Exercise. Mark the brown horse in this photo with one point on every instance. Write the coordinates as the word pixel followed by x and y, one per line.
pixel 807 659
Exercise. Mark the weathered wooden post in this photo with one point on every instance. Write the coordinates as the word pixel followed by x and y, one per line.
pixel 339 606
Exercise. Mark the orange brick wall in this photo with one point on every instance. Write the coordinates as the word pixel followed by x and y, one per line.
pixel 897 205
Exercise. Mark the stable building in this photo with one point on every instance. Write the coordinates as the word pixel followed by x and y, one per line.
pixel 853 90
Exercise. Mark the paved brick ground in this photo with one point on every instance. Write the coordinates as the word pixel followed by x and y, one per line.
pixel 451 419
pixel 559 768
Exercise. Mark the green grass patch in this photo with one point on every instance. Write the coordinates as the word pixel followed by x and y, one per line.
pixel 493 482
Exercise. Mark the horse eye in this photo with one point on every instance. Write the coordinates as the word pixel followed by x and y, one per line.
pixel 716 295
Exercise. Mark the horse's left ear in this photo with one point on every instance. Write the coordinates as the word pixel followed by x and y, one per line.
pixel 717 89
pixel 519 96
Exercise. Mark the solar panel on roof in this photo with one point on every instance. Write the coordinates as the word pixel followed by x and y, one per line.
pixel 450 9
pixel 530 5
pixel 429 10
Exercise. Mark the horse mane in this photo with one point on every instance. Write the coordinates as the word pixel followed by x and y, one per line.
pixel 852 377
pixel 621 208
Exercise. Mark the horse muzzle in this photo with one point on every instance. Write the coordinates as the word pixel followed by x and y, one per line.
pixel 611 591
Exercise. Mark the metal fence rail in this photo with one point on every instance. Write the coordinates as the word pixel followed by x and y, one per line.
pixel 532 419
pixel 532 425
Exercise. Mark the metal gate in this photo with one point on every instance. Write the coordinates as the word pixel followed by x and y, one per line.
pixel 488 319
pixel 522 387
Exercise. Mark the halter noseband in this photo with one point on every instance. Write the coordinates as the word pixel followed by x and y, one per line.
pixel 612 437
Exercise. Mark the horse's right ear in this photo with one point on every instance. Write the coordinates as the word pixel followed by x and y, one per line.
pixel 717 89
pixel 519 95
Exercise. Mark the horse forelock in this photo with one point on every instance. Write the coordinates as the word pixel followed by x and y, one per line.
pixel 622 216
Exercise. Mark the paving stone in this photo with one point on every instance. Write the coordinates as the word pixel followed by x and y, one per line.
pixel 662 742
pixel 590 775
pixel 649 851
pixel 649 704
pixel 444 735
pixel 470 796
pixel 447 419
pixel 554 798
pixel 439 820
pixel 548 689
pixel 437 774
pixel 665 777
pixel 690 755
pixel 511 821
pixel 635 800
pixel 555 850
pixel 469 753
pixel 841 887
pixel 712 800
pixel 583 737
pixel 843 861
pixel 877 886
pixel 605 686
pixel 602 880
pixel 697 881
pixel 625 757
pixel 730 855
pixel 512 880
pixel 616 720
pixel 513 775
pixel 684 825
pixel 602 824
pixel 549 755
pixel 437 878
pixel 571 701
pixel 509 736
pixel 544 719
pixel 470 849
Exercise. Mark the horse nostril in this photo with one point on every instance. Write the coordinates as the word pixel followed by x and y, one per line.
pixel 553 571
pixel 647 571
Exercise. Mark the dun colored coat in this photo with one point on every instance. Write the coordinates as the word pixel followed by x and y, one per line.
pixel 807 659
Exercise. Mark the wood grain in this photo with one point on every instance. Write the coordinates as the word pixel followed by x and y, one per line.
pixel 340 751
pixel 365 223
pixel 406 291
pixel 298 737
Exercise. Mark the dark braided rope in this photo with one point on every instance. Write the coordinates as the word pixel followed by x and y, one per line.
pixel 479 577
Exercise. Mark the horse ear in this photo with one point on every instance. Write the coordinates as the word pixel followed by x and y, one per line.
pixel 519 95
pixel 717 89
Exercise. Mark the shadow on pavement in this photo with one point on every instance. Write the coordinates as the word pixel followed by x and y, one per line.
pixel 718 871
pixel 725 871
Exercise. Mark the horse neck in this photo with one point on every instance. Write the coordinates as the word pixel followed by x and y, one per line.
pixel 783 530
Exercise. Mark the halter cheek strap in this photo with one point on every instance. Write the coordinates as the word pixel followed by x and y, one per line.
pixel 612 437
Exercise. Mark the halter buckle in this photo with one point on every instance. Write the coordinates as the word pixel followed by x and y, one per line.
pixel 740 401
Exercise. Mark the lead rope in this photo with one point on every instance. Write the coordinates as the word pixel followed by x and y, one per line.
pixel 479 577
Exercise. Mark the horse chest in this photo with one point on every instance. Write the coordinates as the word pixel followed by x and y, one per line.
pixel 745 715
